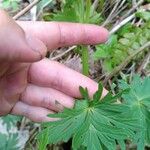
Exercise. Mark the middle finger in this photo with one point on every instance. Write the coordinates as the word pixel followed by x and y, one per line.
pixel 52 74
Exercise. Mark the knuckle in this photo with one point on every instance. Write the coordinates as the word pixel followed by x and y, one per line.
pixel 62 39
pixel 85 36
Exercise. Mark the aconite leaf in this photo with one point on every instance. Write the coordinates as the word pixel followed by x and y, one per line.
pixel 93 124
pixel 138 99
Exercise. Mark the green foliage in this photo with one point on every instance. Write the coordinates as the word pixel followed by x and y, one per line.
pixel 9 142
pixel 103 122
pixel 93 124
pixel 144 15
pixel 128 40
pixel 42 143
pixel 13 4
pixel 10 120
pixel 138 99
pixel 76 11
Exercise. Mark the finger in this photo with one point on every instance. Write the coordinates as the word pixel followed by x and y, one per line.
pixel 15 45
pixel 55 34
pixel 52 74
pixel 46 97
pixel 36 114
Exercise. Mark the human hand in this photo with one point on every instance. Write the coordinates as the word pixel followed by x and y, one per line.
pixel 29 83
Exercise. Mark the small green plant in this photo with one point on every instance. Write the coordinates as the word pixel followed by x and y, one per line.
pixel 77 11
pixel 112 121
pixel 103 122
pixel 123 44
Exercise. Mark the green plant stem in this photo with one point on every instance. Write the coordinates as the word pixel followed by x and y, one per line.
pixel 81 10
pixel 87 11
pixel 85 54
pixel 85 60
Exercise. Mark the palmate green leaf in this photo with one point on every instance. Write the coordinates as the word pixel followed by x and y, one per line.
pixel 9 142
pixel 68 14
pixel 138 99
pixel 42 143
pixel 84 93
pixel 144 15
pixel 76 11
pixel 9 4
pixel 98 93
pixel 10 120
pixel 93 124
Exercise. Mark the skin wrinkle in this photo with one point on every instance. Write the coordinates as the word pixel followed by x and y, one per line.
pixel 11 109
pixel 81 38
pixel 23 94
pixel 85 35
pixel 6 104
pixel 23 84
pixel 39 53
pixel 29 74
pixel 60 41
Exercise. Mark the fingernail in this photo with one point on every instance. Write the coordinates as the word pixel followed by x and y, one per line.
pixel 37 46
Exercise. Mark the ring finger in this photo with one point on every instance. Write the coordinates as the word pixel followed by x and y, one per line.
pixel 46 97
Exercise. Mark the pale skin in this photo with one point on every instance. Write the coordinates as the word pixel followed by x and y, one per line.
pixel 30 84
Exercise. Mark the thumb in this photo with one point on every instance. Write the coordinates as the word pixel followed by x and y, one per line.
pixel 15 45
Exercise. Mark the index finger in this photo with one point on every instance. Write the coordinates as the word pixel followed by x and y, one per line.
pixel 56 34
